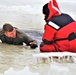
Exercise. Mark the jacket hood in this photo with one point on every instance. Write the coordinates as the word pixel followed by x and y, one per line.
pixel 53 9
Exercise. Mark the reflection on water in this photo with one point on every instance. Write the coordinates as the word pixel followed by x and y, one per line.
pixel 19 57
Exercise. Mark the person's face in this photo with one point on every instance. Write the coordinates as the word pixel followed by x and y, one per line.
pixel 11 34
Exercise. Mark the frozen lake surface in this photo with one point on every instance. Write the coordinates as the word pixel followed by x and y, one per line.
pixel 27 15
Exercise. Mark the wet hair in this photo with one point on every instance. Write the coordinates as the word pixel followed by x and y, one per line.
pixel 45 10
pixel 7 27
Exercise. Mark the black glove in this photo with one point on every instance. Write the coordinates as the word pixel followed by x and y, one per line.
pixel 33 45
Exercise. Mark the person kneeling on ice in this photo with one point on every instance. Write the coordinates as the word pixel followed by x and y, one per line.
pixel 59 31
pixel 12 35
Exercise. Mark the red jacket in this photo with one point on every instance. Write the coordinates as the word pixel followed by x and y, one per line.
pixel 62 27
pixel 62 45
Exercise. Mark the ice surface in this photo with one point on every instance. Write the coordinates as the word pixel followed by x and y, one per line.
pixel 25 71
pixel 27 14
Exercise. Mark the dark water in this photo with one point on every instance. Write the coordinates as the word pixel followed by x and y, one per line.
pixel 37 35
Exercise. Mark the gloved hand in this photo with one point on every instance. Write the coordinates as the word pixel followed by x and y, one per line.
pixel 33 45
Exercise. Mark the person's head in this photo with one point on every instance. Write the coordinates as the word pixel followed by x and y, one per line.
pixel 9 30
pixel 45 11
pixel 50 10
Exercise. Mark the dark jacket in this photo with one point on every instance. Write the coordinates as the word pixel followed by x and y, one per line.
pixel 21 38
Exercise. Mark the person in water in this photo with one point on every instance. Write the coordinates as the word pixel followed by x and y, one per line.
pixel 12 35
pixel 59 31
